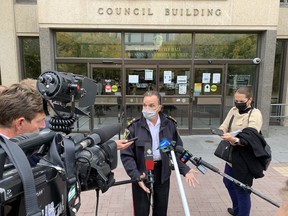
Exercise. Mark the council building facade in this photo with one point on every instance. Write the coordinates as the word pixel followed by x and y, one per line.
pixel 194 52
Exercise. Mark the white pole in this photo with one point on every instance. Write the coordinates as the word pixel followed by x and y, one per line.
pixel 180 184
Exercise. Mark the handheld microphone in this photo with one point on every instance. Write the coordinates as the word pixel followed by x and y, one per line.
pixel 149 163
pixel 185 156
pixel 99 136
pixel 166 147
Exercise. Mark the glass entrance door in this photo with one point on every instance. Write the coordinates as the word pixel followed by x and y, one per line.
pixel 173 83
pixel 194 99
pixel 208 96
pixel 108 107
pixel 174 86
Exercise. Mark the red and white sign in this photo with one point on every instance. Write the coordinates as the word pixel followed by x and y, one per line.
pixel 107 88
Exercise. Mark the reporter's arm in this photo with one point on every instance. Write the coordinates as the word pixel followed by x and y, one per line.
pixel 123 144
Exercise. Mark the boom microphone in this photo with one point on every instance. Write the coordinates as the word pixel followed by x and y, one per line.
pixel 99 136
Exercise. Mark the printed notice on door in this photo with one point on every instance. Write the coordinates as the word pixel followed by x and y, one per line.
pixel 133 79
pixel 206 77
pixel 216 78
pixel 167 77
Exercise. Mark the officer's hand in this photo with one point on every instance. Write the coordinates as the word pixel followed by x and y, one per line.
pixel 123 144
pixel 190 177
pixel 142 185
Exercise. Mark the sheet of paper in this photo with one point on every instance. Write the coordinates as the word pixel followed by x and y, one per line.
pixel 206 77
pixel 133 79
pixel 216 78
pixel 181 79
pixel 148 74
pixel 182 88
pixel 167 77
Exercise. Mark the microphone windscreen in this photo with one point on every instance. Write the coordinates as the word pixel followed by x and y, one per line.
pixel 149 164
pixel 107 132
pixel 32 140
pixel 148 155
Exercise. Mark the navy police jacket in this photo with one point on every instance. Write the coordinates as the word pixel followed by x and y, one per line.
pixel 133 157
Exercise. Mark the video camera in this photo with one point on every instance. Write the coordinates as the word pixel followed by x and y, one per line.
pixel 62 165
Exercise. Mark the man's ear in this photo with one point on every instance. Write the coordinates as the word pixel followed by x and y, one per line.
pixel 19 122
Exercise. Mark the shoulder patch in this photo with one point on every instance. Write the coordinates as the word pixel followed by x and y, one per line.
pixel 127 131
pixel 130 122
pixel 171 118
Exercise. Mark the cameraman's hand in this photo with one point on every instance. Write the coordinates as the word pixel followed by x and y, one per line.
pixel 122 144
pixel 142 185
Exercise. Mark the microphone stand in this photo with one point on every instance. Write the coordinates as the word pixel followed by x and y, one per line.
pixel 150 178
pixel 167 148
pixel 199 161
pixel 126 182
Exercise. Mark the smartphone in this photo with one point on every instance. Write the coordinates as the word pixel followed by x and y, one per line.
pixel 217 131
pixel 132 139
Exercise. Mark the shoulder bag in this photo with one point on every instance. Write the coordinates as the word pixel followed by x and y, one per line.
pixel 224 149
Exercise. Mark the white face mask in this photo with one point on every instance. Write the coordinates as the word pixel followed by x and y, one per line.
pixel 149 114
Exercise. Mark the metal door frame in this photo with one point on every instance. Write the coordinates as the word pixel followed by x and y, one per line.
pixel 222 96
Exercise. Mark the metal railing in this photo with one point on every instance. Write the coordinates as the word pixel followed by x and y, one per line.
pixel 278 112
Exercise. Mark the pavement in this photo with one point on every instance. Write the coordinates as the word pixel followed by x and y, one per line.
pixel 210 197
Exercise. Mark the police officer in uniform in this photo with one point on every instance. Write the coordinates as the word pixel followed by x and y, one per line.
pixel 152 127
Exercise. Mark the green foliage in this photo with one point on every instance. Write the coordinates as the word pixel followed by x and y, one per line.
pixel 73 68
pixel 31 56
pixel 88 44
pixel 231 46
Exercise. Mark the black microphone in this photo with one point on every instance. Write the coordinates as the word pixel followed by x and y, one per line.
pixel 206 164
pixel 99 136
pixel 185 156
pixel 32 140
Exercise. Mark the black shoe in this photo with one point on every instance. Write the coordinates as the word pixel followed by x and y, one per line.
pixel 230 211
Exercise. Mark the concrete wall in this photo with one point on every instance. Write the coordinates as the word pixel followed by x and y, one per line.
pixel 8 44
pixel 282 30
pixel 16 20
pixel 151 14
pixel 267 53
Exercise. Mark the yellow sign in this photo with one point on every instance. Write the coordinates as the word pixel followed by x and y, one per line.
pixel 114 88
pixel 213 88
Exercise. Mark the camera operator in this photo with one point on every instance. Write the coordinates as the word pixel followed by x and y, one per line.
pixel 21 109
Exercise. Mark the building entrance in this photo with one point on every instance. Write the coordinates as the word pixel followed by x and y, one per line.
pixel 191 95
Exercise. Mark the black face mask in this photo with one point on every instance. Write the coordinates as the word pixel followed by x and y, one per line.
pixel 241 106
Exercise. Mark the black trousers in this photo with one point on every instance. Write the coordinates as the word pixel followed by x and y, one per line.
pixel 141 200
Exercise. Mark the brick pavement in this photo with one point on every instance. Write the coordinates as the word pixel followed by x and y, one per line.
pixel 210 198
pixel 207 199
